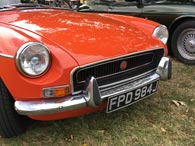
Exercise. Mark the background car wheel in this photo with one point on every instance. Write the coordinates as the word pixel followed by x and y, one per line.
pixel 11 123
pixel 183 42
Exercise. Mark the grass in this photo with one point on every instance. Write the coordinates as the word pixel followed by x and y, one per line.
pixel 155 121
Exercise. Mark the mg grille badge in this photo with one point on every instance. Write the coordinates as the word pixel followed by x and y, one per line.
pixel 123 65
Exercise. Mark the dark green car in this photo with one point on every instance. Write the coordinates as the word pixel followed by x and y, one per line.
pixel 177 15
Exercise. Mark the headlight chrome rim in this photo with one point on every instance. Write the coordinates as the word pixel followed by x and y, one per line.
pixel 161 32
pixel 20 52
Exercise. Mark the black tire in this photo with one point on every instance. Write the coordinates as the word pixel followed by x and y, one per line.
pixel 11 123
pixel 183 42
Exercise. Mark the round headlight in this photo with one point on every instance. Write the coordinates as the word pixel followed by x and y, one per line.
pixel 161 33
pixel 32 59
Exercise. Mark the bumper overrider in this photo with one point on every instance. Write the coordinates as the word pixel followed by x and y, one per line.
pixel 92 97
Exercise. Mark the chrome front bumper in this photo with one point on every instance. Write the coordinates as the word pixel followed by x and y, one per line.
pixel 92 97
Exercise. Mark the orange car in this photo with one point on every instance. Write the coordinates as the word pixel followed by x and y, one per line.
pixel 57 63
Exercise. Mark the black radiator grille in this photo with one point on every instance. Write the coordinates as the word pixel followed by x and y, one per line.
pixel 109 71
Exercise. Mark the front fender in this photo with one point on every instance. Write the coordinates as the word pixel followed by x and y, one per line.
pixel 24 88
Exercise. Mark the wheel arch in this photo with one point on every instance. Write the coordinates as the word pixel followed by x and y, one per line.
pixel 11 123
pixel 174 25
pixel 178 21
pixel 2 82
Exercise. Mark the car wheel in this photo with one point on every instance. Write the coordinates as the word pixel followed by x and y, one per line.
pixel 11 123
pixel 183 42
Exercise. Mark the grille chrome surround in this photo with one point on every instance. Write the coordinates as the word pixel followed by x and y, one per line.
pixel 139 64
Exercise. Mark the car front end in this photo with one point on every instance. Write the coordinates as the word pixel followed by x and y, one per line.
pixel 122 86
pixel 79 63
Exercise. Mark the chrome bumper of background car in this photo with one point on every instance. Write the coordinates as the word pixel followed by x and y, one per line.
pixel 92 97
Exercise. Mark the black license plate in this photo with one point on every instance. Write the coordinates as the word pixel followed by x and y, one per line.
pixel 125 99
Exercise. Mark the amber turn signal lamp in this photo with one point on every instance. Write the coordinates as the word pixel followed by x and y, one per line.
pixel 58 91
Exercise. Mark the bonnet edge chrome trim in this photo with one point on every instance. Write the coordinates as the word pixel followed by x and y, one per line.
pixel 6 56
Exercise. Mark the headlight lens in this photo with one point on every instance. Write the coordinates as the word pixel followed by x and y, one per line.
pixel 161 33
pixel 33 59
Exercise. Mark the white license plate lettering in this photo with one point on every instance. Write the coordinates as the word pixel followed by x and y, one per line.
pixel 125 99
pixel 129 97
